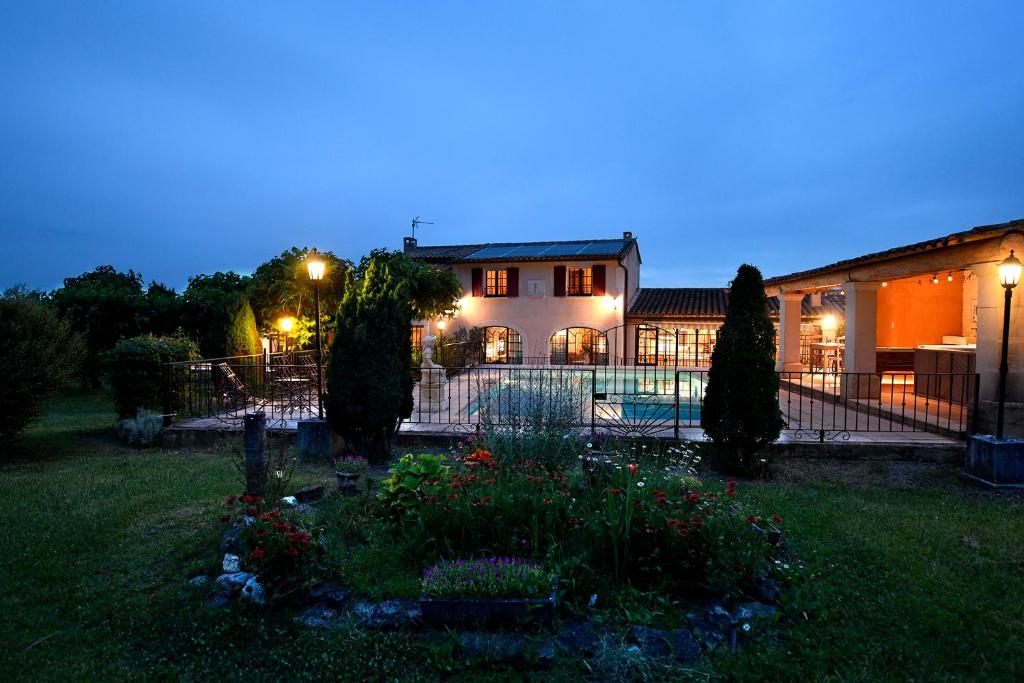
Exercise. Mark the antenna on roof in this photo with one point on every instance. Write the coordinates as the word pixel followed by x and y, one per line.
pixel 416 221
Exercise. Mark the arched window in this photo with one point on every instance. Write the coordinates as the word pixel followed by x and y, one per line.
pixel 502 345
pixel 579 346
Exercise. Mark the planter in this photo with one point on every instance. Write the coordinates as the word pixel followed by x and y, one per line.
pixel 489 611
pixel 348 483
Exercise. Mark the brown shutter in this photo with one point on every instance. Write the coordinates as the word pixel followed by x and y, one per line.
pixel 597 283
pixel 478 282
pixel 559 280
pixel 513 281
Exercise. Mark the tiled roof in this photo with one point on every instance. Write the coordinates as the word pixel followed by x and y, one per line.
pixel 980 232
pixel 712 302
pixel 590 250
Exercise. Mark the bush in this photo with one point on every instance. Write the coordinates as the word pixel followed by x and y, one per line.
pixel 741 411
pixel 140 430
pixel 39 356
pixel 241 338
pixel 135 369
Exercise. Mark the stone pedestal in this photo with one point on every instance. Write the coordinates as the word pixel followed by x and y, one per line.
pixel 996 462
pixel 315 439
pixel 433 388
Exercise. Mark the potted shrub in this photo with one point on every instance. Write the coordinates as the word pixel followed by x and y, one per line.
pixel 351 473
pixel 489 591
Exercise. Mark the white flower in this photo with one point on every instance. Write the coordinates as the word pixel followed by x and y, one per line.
pixel 746 627
pixel 590 445
pixel 640 484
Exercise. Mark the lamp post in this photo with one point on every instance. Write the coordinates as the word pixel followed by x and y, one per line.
pixel 315 266
pixel 1009 276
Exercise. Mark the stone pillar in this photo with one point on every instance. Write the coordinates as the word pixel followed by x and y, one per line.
pixel 789 332
pixel 990 342
pixel 254 437
pixel 861 347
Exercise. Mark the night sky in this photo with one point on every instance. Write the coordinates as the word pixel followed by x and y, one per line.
pixel 177 138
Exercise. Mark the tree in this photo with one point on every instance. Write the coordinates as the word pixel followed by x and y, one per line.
pixel 102 306
pixel 241 338
pixel 741 406
pixel 136 371
pixel 203 306
pixel 40 355
pixel 161 314
pixel 369 375
pixel 431 291
pixel 281 286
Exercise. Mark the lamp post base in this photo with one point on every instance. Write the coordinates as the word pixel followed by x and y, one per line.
pixel 995 462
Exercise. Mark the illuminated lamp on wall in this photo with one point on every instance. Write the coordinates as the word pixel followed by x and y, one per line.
pixel 935 279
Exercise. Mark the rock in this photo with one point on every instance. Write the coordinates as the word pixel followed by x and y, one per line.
pixel 578 639
pixel 707 634
pixel 333 594
pixel 217 600
pixel 304 508
pixel 391 614
pixel 317 616
pixel 231 563
pixel 492 647
pixel 309 494
pixel 768 590
pixel 253 592
pixel 653 642
pixel 289 501
pixel 750 611
pixel 232 583
pixel 546 654
pixel 719 617
pixel 684 647
pixel 199 581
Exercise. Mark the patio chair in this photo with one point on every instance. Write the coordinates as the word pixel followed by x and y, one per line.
pixel 234 391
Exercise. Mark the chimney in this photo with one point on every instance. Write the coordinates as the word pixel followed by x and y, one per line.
pixel 627 234
pixel 410 244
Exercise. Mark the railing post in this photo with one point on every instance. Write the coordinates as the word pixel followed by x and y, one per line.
pixel 675 428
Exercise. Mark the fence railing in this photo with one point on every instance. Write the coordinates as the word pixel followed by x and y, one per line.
pixel 623 399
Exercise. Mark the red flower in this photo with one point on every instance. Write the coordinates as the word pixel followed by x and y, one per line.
pixel 730 492
pixel 615 492
pixel 751 519
pixel 675 522
pixel 431 500
pixel 251 500
pixel 693 497
pixel 731 484
pixel 251 512
pixel 547 501
pixel 453 496
pixel 777 518
pixel 491 481
pixel 293 551
pixel 632 469
pixel 682 532
pixel 259 553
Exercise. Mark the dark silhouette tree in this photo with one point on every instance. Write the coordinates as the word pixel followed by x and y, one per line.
pixel 741 411
pixel 203 309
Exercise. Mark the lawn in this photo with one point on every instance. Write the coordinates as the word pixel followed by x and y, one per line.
pixel 912 574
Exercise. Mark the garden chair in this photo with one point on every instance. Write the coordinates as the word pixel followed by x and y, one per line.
pixel 233 390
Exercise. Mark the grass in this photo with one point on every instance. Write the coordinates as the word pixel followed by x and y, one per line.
pixel 912 575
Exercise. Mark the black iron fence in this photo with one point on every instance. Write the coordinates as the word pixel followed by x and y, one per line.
pixel 620 398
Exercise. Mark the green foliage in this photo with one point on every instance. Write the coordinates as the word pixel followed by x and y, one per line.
pixel 135 370
pixel 741 407
pixel 141 430
pixel 369 372
pixel 241 338
pixel 102 306
pixel 400 492
pixel 281 286
pixel 431 291
pixel 39 356
pixel 161 312
pixel 459 349
pixel 204 305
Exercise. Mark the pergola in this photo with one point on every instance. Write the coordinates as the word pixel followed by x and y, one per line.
pixel 973 255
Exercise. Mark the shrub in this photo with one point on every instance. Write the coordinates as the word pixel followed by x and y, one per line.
pixel 495 577
pixel 135 369
pixel 39 357
pixel 140 430
pixel 241 338
pixel 741 411
pixel 402 491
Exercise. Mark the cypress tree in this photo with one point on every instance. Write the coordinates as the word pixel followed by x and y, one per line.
pixel 241 338
pixel 741 407
pixel 369 373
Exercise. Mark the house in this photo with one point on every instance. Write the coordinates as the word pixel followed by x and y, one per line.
pixel 539 302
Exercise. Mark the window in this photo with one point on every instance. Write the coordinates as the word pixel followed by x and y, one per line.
pixel 417 337
pixel 580 281
pixel 579 346
pixel 496 283
pixel 655 346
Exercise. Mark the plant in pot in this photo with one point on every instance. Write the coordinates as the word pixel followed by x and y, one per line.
pixel 351 473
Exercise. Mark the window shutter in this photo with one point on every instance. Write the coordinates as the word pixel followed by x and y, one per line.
pixel 478 282
pixel 559 280
pixel 597 287
pixel 513 282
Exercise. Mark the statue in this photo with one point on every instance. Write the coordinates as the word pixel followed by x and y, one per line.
pixel 433 387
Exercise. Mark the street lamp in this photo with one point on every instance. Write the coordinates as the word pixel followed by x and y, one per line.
pixel 286 324
pixel 1009 276
pixel 315 266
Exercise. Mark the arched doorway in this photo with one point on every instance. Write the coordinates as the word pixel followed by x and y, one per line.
pixel 502 345
pixel 579 346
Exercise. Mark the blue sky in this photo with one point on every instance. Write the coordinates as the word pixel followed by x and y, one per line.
pixel 185 137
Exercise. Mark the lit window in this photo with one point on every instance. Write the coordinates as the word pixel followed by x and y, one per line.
pixel 580 281
pixel 496 283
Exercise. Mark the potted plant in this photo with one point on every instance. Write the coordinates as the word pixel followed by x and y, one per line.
pixel 351 473
pixel 489 591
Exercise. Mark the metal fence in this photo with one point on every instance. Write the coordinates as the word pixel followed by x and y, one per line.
pixel 619 398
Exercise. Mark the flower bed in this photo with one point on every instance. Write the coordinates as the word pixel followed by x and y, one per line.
pixel 488 592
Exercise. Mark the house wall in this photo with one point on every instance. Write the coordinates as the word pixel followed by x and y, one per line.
pixel 537 317
pixel 913 311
